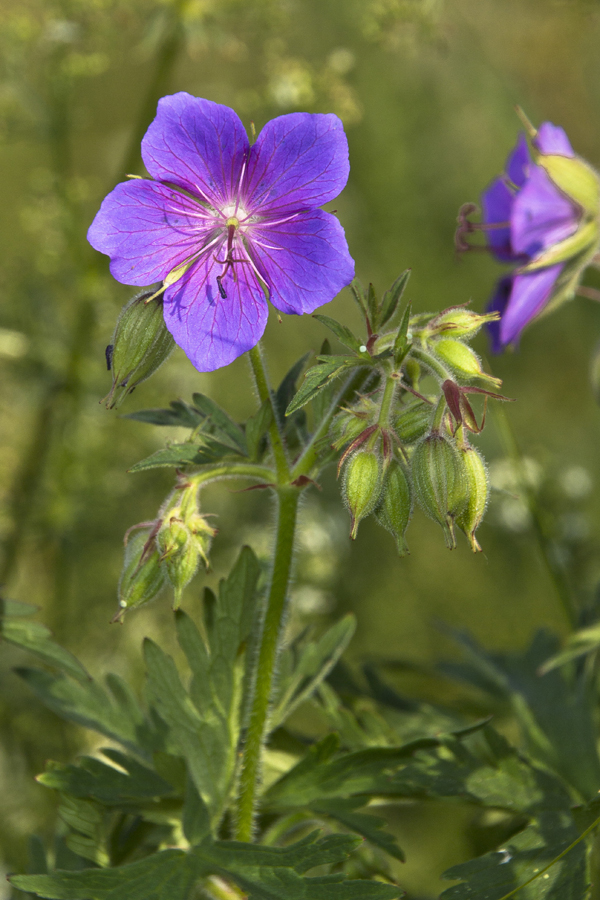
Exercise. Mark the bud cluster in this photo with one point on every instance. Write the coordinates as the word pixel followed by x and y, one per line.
pixel 400 445
pixel 166 551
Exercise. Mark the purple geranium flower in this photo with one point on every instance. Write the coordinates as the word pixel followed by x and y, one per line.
pixel 542 217
pixel 525 215
pixel 224 221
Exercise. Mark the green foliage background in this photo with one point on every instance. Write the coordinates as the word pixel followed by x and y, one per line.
pixel 426 90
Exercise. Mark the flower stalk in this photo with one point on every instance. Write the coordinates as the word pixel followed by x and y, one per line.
pixel 266 661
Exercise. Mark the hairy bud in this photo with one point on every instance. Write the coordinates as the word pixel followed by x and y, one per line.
pixel 460 322
pixel 345 428
pixel 140 345
pixel 478 493
pixel 361 486
pixel 413 422
pixel 395 509
pixel 178 553
pixel 461 359
pixel 143 575
pixel 440 482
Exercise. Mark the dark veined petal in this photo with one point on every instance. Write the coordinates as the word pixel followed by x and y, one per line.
pixel 552 140
pixel 210 329
pixel 198 145
pixel 497 201
pixel 299 161
pixel 304 262
pixel 529 295
pixel 498 304
pixel 148 229
pixel 541 215
pixel 517 164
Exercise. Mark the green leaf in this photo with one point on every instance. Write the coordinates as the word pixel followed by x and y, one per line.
pixel 196 817
pixel 579 643
pixel 319 775
pixel 343 334
pixel 35 637
pixel 256 427
pixel 204 723
pixel 402 343
pixel 224 428
pixel 373 307
pixel 523 860
pixel 287 388
pixel 180 414
pixel 93 779
pixel 391 298
pixel 318 376
pixel 316 659
pixel 262 873
pixel 370 827
pixel 115 715
pixel 556 715
pixel 358 292
pixel 177 455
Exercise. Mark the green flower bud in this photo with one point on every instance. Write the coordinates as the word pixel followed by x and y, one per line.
pixel 472 514
pixel 460 322
pixel 440 482
pixel 413 422
pixel 395 508
pixel 140 345
pixel 203 533
pixel 461 359
pixel 345 428
pixel 143 575
pixel 361 486
pixel 179 552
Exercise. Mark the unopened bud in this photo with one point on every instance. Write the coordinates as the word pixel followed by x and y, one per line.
pixel 203 533
pixel 143 575
pixel 461 359
pixel 395 509
pixel 460 322
pixel 413 422
pixel 477 495
pixel 179 552
pixel 362 485
pixel 345 428
pixel 140 345
pixel 440 482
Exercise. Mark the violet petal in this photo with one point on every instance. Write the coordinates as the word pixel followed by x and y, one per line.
pixel 148 229
pixel 304 262
pixel 212 330
pixel 541 215
pixel 497 201
pixel 552 140
pixel 530 293
pixel 498 303
pixel 517 164
pixel 198 145
pixel 299 160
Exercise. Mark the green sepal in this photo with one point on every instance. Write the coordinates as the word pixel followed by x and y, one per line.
pixel 392 297
pixel 575 178
pixel 586 237
pixel 343 334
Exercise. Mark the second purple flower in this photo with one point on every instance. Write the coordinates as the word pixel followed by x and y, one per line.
pixel 542 216
pixel 224 221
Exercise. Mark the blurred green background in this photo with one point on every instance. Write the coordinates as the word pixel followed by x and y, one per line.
pixel 426 90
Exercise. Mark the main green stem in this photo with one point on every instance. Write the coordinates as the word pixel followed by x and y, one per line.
pixel 275 432
pixel 266 661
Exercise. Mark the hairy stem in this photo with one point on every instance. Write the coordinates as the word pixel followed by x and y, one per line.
pixel 308 459
pixel 266 661
pixel 275 431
